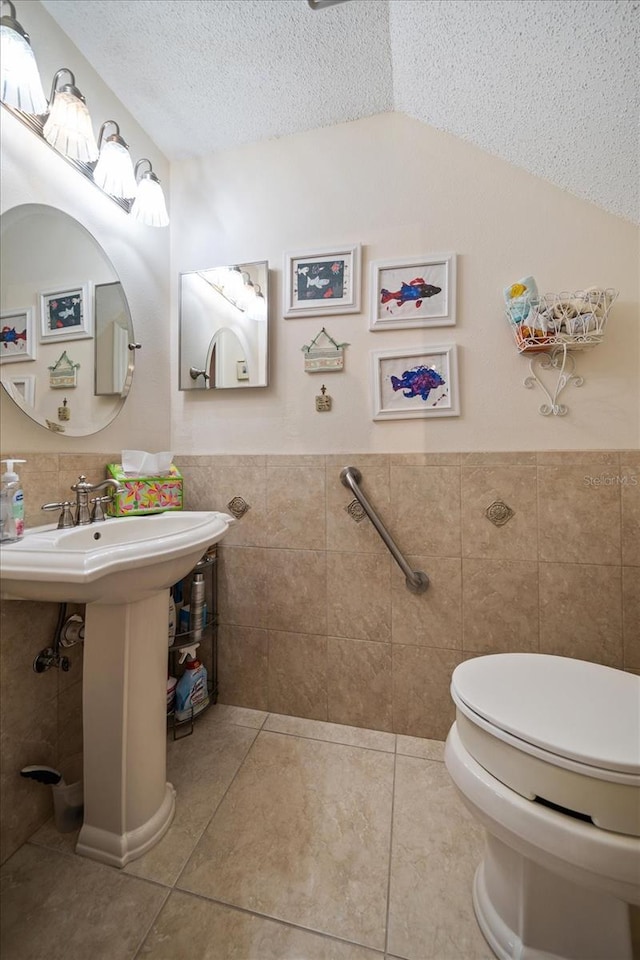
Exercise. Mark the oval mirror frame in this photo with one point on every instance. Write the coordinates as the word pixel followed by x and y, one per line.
pixel 66 332
pixel 224 327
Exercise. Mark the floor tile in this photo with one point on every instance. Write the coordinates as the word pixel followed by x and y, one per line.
pixel 243 716
pixel 436 848
pixel 189 927
pixel 417 747
pixel 303 836
pixel 332 732
pixel 56 907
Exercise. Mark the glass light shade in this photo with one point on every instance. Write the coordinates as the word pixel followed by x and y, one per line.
pixel 68 128
pixel 149 206
pixel 114 171
pixel 234 285
pixel 20 83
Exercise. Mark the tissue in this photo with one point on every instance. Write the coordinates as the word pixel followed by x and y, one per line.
pixel 150 483
pixel 139 463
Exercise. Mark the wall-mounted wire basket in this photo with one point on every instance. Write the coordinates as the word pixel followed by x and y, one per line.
pixel 573 320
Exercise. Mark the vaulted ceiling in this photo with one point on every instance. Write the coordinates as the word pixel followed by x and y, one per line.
pixel 549 85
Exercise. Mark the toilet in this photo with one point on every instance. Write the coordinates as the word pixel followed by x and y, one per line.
pixel 545 754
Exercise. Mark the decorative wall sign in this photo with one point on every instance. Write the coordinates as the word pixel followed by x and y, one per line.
pixel 65 314
pixel 64 373
pixel 323 354
pixel 420 292
pixel 417 382
pixel 17 340
pixel 322 282
pixel 323 402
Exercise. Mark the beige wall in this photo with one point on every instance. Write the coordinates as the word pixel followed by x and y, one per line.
pixel 401 188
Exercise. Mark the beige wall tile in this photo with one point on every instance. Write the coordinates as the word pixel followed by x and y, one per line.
pixel 419 747
pixel 298 675
pixel 586 458
pixel 359 596
pixel 422 705
pixel 242 585
pixel 212 488
pixel 630 496
pixel 436 849
pixel 70 731
pixel 296 503
pixel 511 458
pixel 425 459
pixel 579 517
pixel 425 510
pixel 360 683
pixel 500 606
pixel 517 487
pixel 432 618
pixel 243 666
pixel 296 582
pixel 343 532
pixel 631 616
pixel 580 612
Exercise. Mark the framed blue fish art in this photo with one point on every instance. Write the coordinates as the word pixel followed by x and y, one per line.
pixel 17 341
pixel 413 292
pixel 66 314
pixel 414 383
pixel 322 282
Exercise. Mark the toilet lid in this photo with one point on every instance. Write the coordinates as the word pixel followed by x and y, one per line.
pixel 571 708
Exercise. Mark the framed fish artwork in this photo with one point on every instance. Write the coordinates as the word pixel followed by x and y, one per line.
pixel 415 382
pixel 413 292
pixel 17 339
pixel 322 282
pixel 66 314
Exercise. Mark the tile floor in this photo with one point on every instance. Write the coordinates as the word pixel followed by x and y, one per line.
pixel 293 840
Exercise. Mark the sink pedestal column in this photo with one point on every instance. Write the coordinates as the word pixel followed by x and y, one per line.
pixel 128 804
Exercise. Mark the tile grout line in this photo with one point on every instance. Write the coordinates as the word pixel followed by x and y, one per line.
pixel 393 803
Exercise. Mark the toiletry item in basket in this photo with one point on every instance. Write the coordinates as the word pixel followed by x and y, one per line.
pixel 192 693
pixel 11 504
pixel 172 619
pixel 518 298
pixel 197 606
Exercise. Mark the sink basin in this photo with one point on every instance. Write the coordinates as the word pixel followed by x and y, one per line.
pixel 121 569
pixel 119 561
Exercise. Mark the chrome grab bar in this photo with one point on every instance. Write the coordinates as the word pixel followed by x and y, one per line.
pixel 416 580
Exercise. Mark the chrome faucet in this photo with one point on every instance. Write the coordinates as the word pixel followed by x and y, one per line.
pixel 83 514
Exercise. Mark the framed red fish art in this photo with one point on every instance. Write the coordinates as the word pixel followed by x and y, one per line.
pixel 413 292
pixel 415 382
pixel 322 282
pixel 17 340
pixel 66 314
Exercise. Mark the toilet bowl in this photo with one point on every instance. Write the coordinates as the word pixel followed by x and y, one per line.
pixel 545 753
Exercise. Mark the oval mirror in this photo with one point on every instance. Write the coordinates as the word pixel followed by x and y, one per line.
pixel 65 325
pixel 224 327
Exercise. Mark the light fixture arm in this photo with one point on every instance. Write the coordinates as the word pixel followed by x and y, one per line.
pixel 65 88
pixel 113 137
pixel 148 174
pixel 12 23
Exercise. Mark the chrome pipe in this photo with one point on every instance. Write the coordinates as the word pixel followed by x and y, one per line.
pixel 416 580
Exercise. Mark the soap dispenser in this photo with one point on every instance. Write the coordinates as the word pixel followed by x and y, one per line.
pixel 11 504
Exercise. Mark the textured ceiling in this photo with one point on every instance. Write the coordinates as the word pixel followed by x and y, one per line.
pixel 550 85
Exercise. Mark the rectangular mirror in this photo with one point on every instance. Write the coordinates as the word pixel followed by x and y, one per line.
pixel 224 327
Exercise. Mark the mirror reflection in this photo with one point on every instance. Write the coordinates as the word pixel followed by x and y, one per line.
pixel 65 325
pixel 224 327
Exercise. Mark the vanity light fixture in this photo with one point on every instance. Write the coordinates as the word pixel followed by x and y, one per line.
pixel 20 83
pixel 149 205
pixel 68 126
pixel 114 170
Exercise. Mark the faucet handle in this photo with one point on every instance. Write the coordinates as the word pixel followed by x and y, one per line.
pixel 66 517
pixel 98 513
pixel 81 484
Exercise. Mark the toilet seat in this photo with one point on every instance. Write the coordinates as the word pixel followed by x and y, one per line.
pixel 560 731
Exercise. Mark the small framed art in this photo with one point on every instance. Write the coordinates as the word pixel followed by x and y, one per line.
pixel 416 292
pixel 17 339
pixel 415 382
pixel 65 314
pixel 322 282
pixel 22 389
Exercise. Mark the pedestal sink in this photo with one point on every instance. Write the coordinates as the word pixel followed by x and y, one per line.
pixel 121 569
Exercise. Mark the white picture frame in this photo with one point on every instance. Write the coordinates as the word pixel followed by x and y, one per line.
pixel 322 282
pixel 415 382
pixel 413 292
pixel 66 314
pixel 22 389
pixel 17 340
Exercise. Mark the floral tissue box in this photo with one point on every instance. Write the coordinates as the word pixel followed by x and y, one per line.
pixel 145 494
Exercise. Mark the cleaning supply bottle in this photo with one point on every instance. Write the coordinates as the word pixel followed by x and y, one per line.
pixel 172 620
pixel 192 692
pixel 196 611
pixel 11 504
